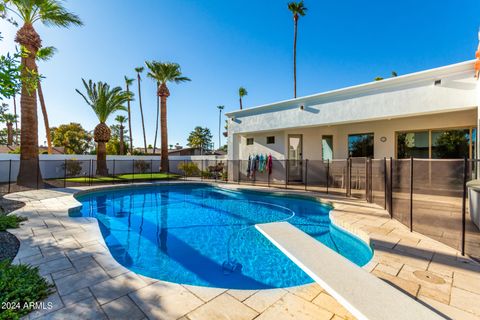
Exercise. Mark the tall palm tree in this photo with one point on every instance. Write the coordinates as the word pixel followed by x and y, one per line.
pixel 165 72
pixel 128 83
pixel 121 120
pixel 220 108
pixel 50 13
pixel 104 101
pixel 242 92
pixel 45 54
pixel 298 9
pixel 156 121
pixel 139 70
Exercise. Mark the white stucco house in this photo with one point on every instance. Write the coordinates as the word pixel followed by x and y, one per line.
pixel 400 117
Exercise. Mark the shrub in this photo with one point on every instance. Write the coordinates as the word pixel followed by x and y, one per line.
pixel 142 166
pixel 189 168
pixel 74 167
pixel 21 285
pixel 10 222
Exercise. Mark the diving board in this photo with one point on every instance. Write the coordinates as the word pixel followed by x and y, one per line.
pixel 361 293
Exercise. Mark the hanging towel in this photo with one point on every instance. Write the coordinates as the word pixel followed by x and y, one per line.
pixel 261 164
pixel 269 164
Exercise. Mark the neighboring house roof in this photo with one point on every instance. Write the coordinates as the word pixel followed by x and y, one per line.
pixel 41 149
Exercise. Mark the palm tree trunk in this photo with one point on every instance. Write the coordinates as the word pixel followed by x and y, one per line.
pixel 102 168
pixel 141 112
pixel 29 174
pixel 122 146
pixel 16 121
pixel 241 103
pixel 9 133
pixel 45 117
pixel 164 134
pixel 129 123
pixel 156 124
pixel 295 19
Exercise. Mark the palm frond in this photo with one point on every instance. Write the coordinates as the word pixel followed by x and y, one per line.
pixel 297 8
pixel 165 72
pixel 46 53
pixel 104 100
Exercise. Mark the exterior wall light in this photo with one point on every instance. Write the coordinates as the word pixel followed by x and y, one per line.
pixel 383 139
pixel 302 107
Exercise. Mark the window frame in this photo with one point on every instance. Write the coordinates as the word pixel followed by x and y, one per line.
pixel 361 134
pixel 272 137
pixel 430 143
pixel 250 139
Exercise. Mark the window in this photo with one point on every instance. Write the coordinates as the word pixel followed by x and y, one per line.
pixel 450 144
pixel 327 147
pixel 437 144
pixel 249 141
pixel 360 145
pixel 413 144
pixel 271 140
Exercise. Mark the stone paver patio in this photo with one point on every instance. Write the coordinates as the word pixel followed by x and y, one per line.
pixel 90 284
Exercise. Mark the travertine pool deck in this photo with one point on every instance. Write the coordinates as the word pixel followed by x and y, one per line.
pixel 90 284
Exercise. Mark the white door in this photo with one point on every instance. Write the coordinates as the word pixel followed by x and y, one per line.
pixel 295 157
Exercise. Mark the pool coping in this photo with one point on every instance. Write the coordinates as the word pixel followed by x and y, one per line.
pixel 366 223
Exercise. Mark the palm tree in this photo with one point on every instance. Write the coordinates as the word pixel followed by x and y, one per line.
pixel 220 108
pixel 50 13
pixel 165 72
pixel 121 120
pixel 104 101
pixel 242 92
pixel 45 54
pixel 298 9
pixel 152 74
pixel 128 83
pixel 9 119
pixel 139 70
pixel 16 117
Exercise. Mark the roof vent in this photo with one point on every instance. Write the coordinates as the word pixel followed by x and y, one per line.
pixel 437 82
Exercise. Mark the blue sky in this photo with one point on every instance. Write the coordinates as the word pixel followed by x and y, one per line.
pixel 222 45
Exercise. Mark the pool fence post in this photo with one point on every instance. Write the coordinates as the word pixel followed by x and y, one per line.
pixel 238 170
pixel 391 188
pixel 464 199
pixel 385 183
pixel 306 174
pixel 268 177
pixel 37 165
pixel 286 172
pixel 348 191
pixel 202 166
pixel 90 169
pixel 411 194
pixel 65 173
pixel 9 174
pixel 151 170
pixel 184 171
pixel 133 171
pixel 113 173
pixel 328 173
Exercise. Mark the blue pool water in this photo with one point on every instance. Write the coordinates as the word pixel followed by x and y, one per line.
pixel 204 235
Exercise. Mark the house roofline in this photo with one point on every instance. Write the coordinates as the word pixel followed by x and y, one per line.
pixel 364 87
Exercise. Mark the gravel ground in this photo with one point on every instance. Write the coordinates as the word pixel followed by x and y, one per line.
pixel 9 244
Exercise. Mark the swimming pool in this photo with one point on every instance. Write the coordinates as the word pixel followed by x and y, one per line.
pixel 204 235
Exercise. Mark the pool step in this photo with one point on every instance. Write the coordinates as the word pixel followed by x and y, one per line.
pixel 361 293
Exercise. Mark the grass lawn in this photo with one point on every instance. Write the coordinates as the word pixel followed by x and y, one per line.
pixel 125 177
